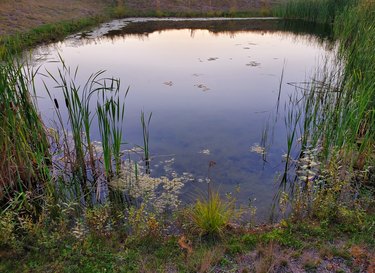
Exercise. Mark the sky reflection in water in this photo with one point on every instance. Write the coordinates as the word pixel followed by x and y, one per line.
pixel 211 95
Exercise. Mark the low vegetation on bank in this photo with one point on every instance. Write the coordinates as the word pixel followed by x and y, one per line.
pixel 69 203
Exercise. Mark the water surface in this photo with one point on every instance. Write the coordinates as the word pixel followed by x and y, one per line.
pixel 211 85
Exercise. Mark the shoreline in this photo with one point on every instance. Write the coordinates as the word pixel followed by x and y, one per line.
pixel 42 28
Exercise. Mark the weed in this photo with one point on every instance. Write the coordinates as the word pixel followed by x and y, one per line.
pixel 283 237
pixel 234 247
pixel 250 240
pixel 7 231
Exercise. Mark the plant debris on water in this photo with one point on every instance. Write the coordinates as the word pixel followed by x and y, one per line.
pixel 256 148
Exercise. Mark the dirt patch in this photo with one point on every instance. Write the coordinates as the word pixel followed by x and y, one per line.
pixel 22 15
pixel 198 5
pixel 273 258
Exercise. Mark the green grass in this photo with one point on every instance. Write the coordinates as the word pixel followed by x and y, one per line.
pixel 15 44
pixel 53 250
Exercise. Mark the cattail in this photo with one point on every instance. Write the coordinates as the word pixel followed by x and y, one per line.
pixel 56 103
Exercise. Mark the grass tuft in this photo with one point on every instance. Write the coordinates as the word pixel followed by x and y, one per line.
pixel 211 215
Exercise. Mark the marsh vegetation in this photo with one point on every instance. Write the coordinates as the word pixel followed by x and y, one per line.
pixel 72 200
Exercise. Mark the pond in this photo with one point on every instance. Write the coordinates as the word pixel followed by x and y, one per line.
pixel 212 86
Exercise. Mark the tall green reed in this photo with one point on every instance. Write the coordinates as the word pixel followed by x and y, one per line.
pixel 77 106
pixel 349 100
pixel 82 165
pixel 355 28
pixel 146 139
pixel 24 147
pixel 316 11
pixel 64 158
pixel 110 111
pixel 337 106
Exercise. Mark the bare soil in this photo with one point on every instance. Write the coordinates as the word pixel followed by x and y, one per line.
pixel 22 15
pixel 198 5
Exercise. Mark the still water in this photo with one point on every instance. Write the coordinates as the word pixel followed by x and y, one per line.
pixel 211 86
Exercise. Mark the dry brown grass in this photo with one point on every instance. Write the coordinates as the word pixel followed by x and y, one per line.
pixel 267 258
pixel 210 258
pixel 197 5
pixel 22 15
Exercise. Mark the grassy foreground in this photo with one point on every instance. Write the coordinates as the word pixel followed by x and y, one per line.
pixel 289 247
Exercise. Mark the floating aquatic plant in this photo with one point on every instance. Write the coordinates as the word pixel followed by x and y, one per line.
pixel 157 193
pixel 256 148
